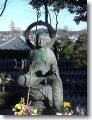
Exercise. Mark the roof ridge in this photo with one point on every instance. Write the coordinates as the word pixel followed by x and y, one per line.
pixel 8 41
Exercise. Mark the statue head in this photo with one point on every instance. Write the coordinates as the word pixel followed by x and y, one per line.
pixel 42 39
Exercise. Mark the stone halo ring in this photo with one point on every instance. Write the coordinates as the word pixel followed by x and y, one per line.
pixel 51 31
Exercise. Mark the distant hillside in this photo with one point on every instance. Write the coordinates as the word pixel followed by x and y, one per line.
pixel 60 31
pixel 4 32
pixel 77 32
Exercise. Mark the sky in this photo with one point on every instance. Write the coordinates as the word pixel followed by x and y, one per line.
pixel 22 14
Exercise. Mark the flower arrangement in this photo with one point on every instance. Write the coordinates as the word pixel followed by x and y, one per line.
pixel 22 109
pixel 67 104
pixel 4 79
pixel 66 109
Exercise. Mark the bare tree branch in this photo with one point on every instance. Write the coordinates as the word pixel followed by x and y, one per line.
pixel 5 3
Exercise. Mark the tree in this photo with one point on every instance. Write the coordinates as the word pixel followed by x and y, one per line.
pixel 12 28
pixel 80 50
pixel 37 4
pixel 81 43
pixel 77 51
pixel 64 47
pixel 15 31
pixel 74 6
pixel 80 8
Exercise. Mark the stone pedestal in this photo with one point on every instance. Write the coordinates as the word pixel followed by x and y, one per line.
pixel 41 97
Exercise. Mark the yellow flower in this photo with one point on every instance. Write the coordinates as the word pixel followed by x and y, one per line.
pixel 22 101
pixel 24 113
pixel 14 109
pixel 18 106
pixel 22 107
pixel 19 113
pixel 67 104
pixel 34 110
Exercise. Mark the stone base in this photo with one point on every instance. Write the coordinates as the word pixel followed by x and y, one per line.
pixel 41 97
pixel 39 105
pixel 42 109
pixel 49 111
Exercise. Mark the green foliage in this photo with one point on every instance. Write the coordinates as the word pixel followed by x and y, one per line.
pixel 67 53
pixel 70 50
pixel 4 78
pixel 81 43
pixel 80 58
pixel 79 7
pixel 64 47
pixel 56 4
pixel 80 50
pixel 36 3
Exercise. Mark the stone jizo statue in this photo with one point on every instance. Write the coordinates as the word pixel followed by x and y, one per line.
pixel 43 71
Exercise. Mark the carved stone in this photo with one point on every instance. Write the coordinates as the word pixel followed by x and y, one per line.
pixel 43 74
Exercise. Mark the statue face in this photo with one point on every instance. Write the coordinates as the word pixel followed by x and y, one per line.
pixel 40 40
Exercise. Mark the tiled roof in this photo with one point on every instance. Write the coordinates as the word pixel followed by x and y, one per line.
pixel 15 43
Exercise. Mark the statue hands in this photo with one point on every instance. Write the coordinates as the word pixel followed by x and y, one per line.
pixel 39 73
